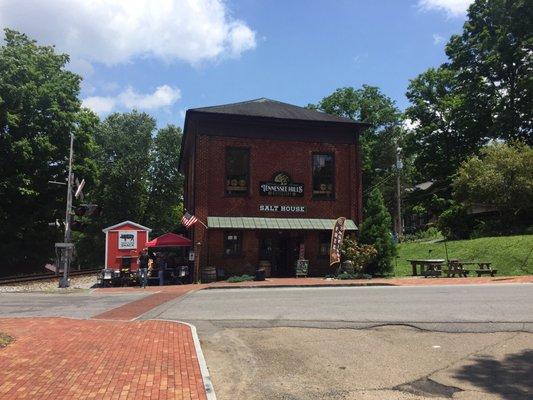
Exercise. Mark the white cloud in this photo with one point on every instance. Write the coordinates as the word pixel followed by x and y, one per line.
pixel 163 96
pixel 437 39
pixel 453 8
pixel 116 31
pixel 100 104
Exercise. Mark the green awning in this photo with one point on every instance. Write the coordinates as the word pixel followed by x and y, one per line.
pixel 315 224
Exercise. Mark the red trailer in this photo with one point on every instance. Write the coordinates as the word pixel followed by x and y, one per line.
pixel 123 243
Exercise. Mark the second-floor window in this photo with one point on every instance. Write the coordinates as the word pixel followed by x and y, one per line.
pixel 323 176
pixel 237 171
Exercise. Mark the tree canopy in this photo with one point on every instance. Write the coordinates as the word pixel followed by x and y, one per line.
pixel 379 141
pixel 484 92
pixel 502 176
pixel 39 108
pixel 130 167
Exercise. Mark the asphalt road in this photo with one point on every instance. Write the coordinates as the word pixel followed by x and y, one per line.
pixel 71 305
pixel 305 343
pixel 468 308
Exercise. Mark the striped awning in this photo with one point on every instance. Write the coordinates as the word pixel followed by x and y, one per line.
pixel 315 224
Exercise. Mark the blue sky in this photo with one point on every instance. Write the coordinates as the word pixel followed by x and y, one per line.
pixel 178 54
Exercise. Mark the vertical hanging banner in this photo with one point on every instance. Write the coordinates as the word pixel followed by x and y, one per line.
pixel 337 235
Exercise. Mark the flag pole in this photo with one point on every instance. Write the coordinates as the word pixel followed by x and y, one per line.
pixel 200 221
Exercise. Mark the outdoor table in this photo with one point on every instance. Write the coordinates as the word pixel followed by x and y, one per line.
pixel 427 267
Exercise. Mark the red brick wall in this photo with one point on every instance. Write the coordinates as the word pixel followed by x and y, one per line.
pixel 266 158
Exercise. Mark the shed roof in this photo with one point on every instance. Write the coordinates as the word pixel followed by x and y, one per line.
pixel 268 108
pixel 134 224
pixel 276 223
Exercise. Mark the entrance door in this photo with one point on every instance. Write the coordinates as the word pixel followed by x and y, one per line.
pixel 282 249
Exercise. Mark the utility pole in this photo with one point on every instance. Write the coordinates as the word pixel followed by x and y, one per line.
pixel 63 282
pixel 399 166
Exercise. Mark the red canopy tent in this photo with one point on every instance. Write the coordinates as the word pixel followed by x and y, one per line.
pixel 169 240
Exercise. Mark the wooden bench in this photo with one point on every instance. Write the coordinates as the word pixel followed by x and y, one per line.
pixel 485 268
pixel 458 267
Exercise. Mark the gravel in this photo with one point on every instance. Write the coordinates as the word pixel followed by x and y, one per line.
pixel 77 283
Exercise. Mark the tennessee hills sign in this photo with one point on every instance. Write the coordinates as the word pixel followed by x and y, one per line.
pixel 281 185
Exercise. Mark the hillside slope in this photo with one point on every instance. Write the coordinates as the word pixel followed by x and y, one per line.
pixel 511 255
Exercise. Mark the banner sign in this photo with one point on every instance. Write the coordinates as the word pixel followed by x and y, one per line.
pixel 281 208
pixel 337 235
pixel 127 240
pixel 281 185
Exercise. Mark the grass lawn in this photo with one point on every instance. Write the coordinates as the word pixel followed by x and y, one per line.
pixel 508 254
pixel 4 340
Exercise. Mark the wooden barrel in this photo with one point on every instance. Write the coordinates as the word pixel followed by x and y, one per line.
pixel 209 274
pixel 267 266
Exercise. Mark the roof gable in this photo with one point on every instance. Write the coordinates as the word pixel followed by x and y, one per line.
pixel 127 224
pixel 272 109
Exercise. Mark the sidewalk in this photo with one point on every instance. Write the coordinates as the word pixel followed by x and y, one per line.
pixel 57 358
pixel 134 309
pixel 408 281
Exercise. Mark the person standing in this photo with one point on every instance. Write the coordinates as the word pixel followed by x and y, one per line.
pixel 143 267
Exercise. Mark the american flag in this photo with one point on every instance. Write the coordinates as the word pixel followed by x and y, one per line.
pixel 188 220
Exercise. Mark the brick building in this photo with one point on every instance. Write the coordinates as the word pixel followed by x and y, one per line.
pixel 269 179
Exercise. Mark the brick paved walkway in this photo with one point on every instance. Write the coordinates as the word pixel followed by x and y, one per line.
pixel 136 308
pixel 56 358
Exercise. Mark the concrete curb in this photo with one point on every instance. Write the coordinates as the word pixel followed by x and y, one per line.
pixel 206 378
pixel 298 286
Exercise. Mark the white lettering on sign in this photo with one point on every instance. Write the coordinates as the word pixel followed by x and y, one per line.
pixel 281 208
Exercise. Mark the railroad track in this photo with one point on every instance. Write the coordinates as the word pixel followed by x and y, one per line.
pixel 44 277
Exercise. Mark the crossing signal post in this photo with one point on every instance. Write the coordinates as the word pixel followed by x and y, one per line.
pixel 65 250
pixel 68 248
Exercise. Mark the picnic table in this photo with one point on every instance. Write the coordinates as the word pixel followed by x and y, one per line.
pixel 431 267
pixel 458 267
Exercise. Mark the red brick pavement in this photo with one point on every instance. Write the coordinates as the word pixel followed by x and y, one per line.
pixel 136 308
pixel 56 358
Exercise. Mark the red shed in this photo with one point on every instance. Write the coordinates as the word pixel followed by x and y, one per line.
pixel 123 243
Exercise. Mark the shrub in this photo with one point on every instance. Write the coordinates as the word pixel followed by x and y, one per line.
pixel 346 275
pixel 455 223
pixel 428 234
pixel 359 255
pixel 242 278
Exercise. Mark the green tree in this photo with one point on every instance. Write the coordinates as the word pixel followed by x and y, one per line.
pixel 502 176
pixel 376 231
pixel 125 158
pixel 441 138
pixel 379 141
pixel 484 92
pixel 165 193
pixel 39 108
pixel 493 60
